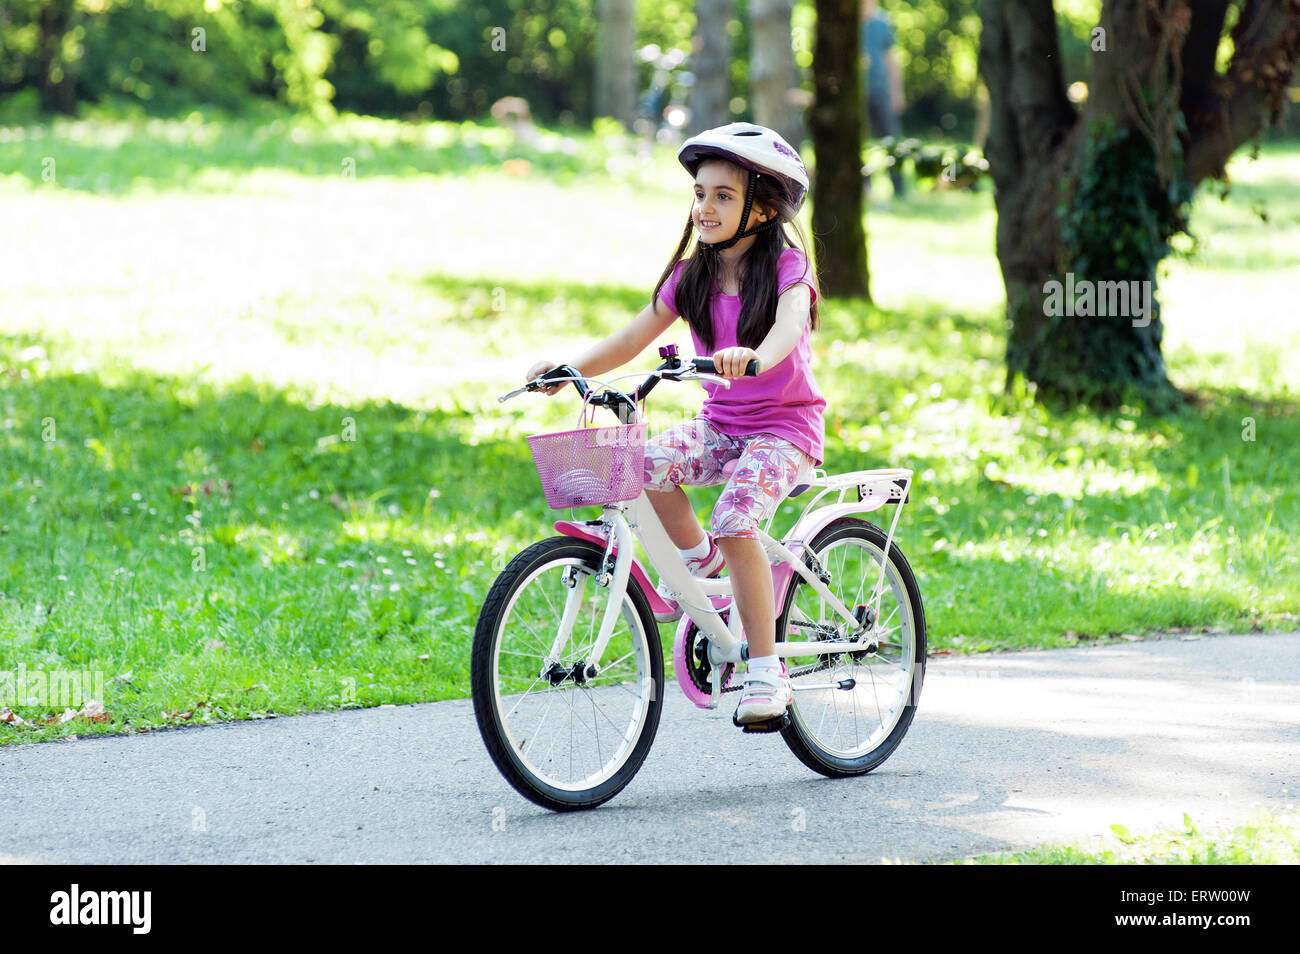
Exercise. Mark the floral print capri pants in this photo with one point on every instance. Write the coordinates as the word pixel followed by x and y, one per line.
pixel 693 454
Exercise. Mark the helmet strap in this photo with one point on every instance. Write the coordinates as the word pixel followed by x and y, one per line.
pixel 744 217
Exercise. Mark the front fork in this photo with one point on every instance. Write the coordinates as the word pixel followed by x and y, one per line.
pixel 616 582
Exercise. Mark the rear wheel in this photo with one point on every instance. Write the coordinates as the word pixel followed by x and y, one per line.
pixel 564 738
pixel 855 724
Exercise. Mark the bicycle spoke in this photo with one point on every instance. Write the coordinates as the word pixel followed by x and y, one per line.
pixel 885 622
pixel 617 662
pixel 515 652
pixel 604 715
pixel 537 731
pixel 525 695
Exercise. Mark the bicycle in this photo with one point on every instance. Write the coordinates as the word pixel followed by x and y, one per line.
pixel 543 642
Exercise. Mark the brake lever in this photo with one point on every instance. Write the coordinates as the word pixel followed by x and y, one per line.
pixel 536 385
pixel 515 393
pixel 687 373
pixel 690 374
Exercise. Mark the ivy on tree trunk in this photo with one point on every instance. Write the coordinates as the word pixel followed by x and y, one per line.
pixel 1088 198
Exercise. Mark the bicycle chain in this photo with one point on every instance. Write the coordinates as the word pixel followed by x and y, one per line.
pixel 794 674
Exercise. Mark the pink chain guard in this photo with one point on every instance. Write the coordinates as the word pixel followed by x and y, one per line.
pixel 699 697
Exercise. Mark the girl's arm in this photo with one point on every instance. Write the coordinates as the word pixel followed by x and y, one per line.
pixel 792 310
pixel 619 348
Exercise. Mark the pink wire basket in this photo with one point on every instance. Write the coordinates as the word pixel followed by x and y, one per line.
pixel 591 465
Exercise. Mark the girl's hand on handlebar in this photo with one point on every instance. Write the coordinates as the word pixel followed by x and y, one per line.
pixel 731 362
pixel 540 368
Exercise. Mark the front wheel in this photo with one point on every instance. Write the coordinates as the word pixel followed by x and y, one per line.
pixel 565 739
pixel 855 724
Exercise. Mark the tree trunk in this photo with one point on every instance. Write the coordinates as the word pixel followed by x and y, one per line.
pixel 835 125
pixel 58 85
pixel 615 65
pixel 1233 108
pixel 710 59
pixel 772 73
pixel 1086 202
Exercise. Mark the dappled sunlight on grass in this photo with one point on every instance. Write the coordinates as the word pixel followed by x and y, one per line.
pixel 141 155
pixel 301 378
pixel 935 247
pixel 1088 479
pixel 1229 309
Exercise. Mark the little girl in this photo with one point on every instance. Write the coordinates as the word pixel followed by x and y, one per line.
pixel 745 296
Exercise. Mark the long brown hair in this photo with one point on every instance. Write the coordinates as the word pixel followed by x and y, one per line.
pixel 757 270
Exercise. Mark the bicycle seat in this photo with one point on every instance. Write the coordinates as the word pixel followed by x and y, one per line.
pixel 801 483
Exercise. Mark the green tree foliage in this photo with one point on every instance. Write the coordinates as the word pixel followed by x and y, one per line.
pixel 444 58
pixel 938 46
pixel 543 50
pixel 168 55
pixel 937 42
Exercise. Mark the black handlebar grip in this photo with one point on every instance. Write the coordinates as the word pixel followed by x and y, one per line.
pixel 566 371
pixel 706 366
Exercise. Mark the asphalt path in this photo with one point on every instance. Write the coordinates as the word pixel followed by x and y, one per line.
pixel 1007 751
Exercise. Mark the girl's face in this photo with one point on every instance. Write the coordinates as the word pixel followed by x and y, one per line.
pixel 719 200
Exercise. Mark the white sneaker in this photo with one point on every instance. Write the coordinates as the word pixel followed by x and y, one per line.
pixel 708 567
pixel 766 695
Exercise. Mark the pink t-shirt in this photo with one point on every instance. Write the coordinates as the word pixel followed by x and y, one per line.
pixel 783 400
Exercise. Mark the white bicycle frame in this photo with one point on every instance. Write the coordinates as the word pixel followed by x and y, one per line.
pixel 638 517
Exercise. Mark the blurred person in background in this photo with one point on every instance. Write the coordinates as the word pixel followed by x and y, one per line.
pixel 883 84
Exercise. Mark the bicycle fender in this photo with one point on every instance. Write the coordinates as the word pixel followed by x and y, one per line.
pixel 571 528
pixel 805 530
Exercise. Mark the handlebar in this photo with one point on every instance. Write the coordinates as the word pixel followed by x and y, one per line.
pixel 624 405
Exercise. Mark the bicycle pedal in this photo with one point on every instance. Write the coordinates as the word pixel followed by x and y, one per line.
pixel 775 724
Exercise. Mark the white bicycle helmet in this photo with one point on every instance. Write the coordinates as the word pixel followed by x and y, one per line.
pixel 756 148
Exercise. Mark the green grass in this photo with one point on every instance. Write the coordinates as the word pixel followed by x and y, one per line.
pixel 111 156
pixel 1263 840
pixel 317 355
